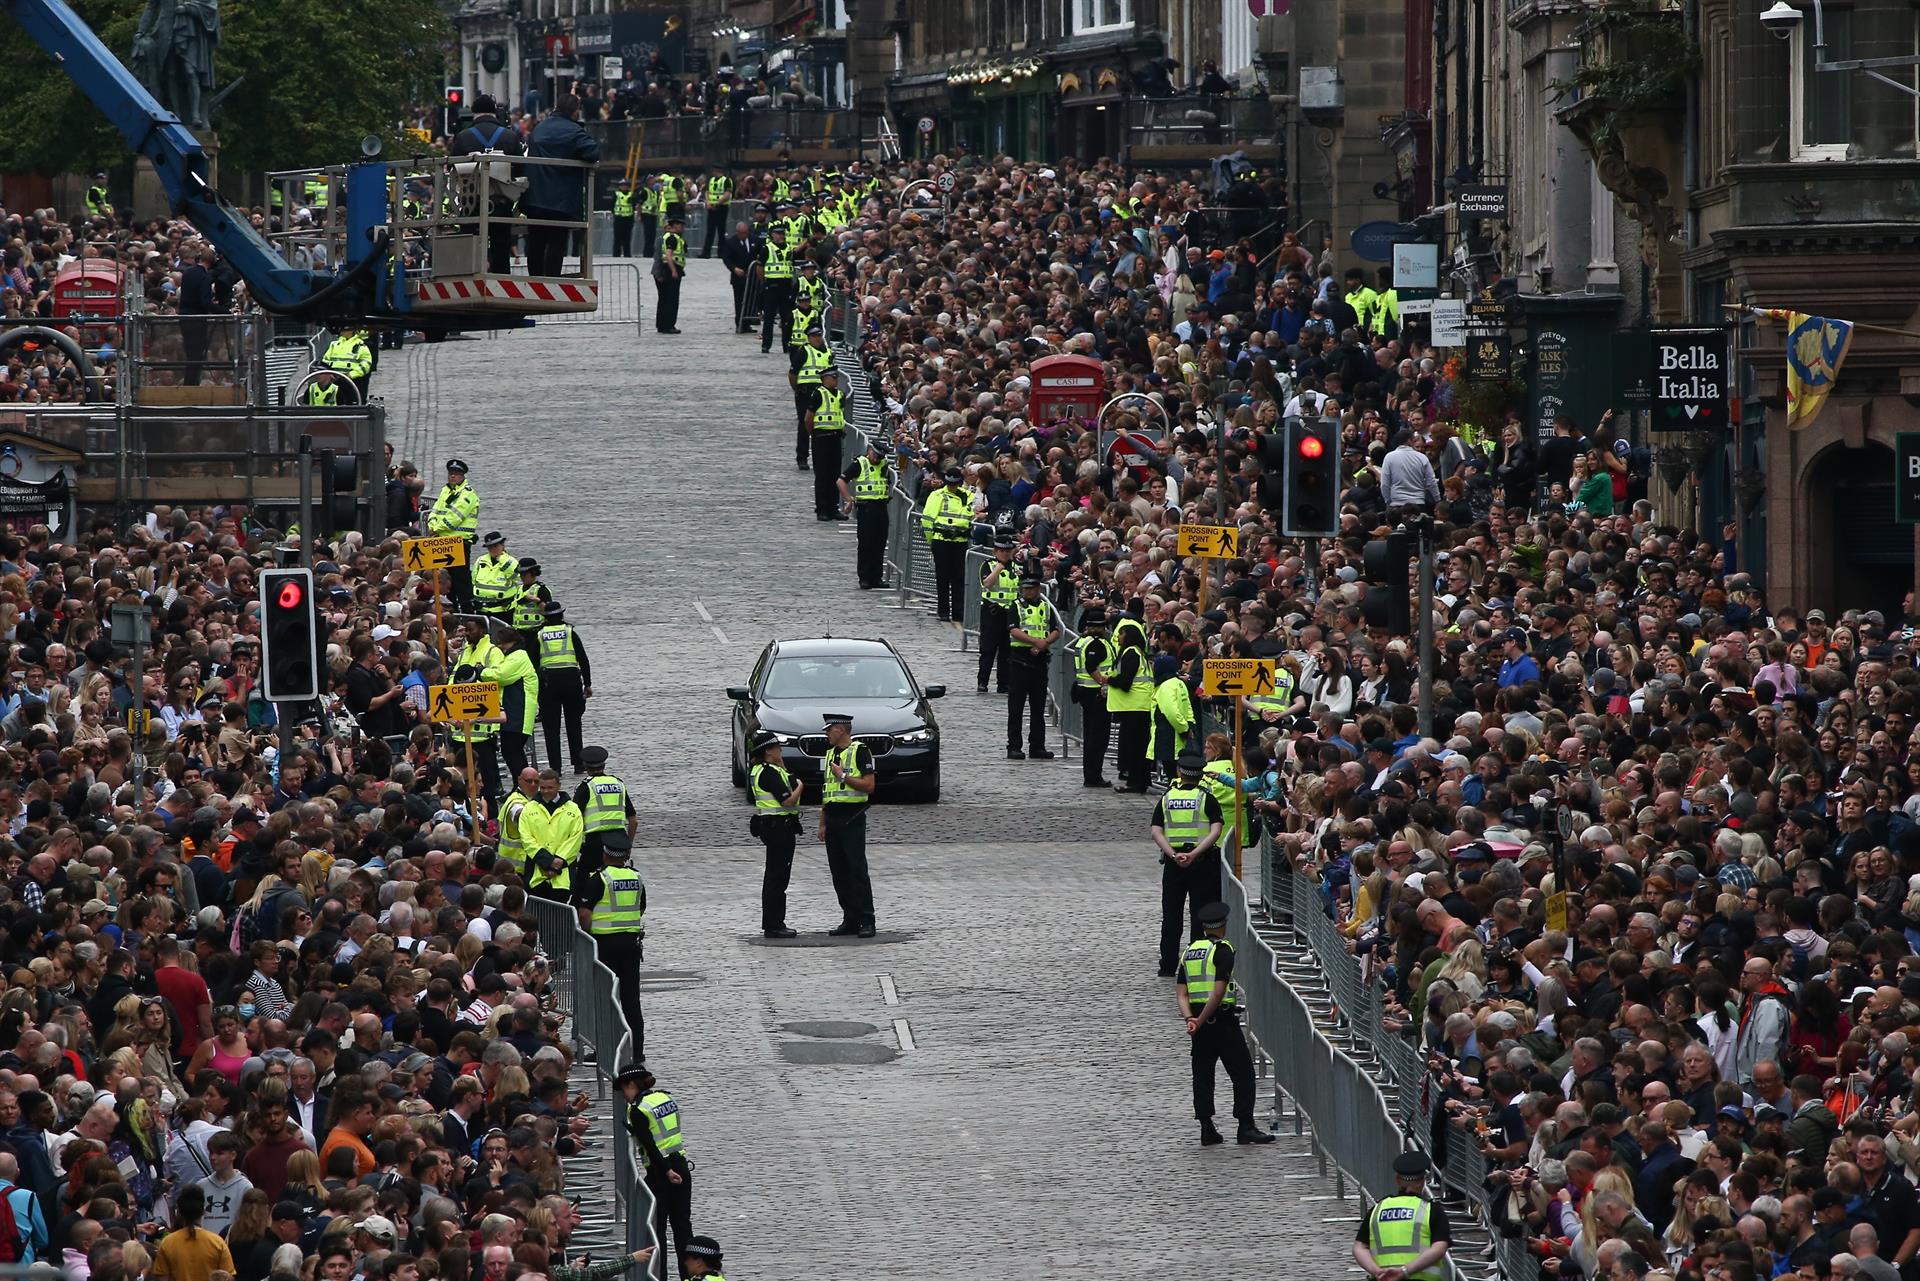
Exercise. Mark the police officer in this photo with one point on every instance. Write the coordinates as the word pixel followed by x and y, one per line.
pixel 1031 633
pixel 653 1119
pixel 1210 1006
pixel 496 579
pixel 1186 828
pixel 719 201
pixel 1406 1237
pixel 652 205
pixel 1092 666
pixel 864 487
pixel 519 681
pixel 511 853
pixel 530 606
pixel 703 1258
pixel 826 424
pixel 1130 699
pixel 622 219
pixel 550 827
pixel 947 521
pixel 775 273
pixel 776 821
pixel 605 807
pixel 999 596
pixel 810 360
pixel 323 389
pixel 479 653
pixel 349 356
pixel 99 205
pixel 669 265
pixel 566 683
pixel 456 514
pixel 809 289
pixel 847 781
pixel 612 903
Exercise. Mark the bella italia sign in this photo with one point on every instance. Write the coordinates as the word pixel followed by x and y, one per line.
pixel 1692 379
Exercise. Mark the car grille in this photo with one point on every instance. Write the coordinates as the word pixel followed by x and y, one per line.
pixel 878 744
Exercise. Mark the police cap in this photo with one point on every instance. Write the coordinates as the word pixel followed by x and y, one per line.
pixel 555 610
pixel 1030 579
pixel 809 264
pixel 455 464
pixel 1213 915
pixel 762 740
pixel 703 1248
pixel 778 228
pixel 1094 618
pixel 1005 539
pixel 676 220
pixel 635 1072
pixel 616 843
pixel 530 566
pixel 836 718
pixel 954 475
pixel 594 756
pixel 494 538
pixel 1411 1165
pixel 1191 762
pixel 829 371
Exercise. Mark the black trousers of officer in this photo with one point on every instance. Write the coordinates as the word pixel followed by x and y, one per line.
pixel 649 232
pixel 1133 729
pixel 847 862
pixel 776 304
pixel 562 699
pixel 716 229
pixel 666 309
pixel 949 573
pixel 1198 885
pixel 995 647
pixel 826 472
pixel 1221 1041
pixel 778 835
pixel 460 584
pixel 673 1207
pixel 870 530
pixel 1095 731
pixel 1026 689
pixel 513 749
pixel 622 953
pixel 623 237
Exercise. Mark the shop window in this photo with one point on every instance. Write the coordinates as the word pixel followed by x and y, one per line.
pixel 1100 15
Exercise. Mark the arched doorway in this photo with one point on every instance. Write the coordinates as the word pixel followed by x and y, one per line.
pixel 1857 556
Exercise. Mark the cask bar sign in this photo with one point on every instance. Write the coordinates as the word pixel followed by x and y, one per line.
pixel 1691 377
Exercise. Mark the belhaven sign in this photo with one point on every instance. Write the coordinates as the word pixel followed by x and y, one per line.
pixel 1692 378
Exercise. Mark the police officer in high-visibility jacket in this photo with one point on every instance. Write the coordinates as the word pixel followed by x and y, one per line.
pixel 774 272
pixel 1172 714
pixel 947 521
pixel 669 268
pixel 511 853
pixel 496 579
pixel 1219 778
pixel 653 1120
pixel 1092 667
pixel 1186 830
pixel 566 683
pixel 550 827
pixel 1210 1008
pixel 519 683
pixel 456 514
pixel 1406 1236
pixel 612 902
pixel 622 220
pixel 605 807
pixel 827 425
pixel 99 204
pixel 653 203
pixel 864 488
pixel 999 598
pixel 1031 633
pixel 530 607
pixel 776 821
pixel 1130 699
pixel 847 781
pixel 349 356
pixel 812 359
pixel 471 665
pixel 719 201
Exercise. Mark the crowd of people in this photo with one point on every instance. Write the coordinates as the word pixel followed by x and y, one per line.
pixel 1703 1063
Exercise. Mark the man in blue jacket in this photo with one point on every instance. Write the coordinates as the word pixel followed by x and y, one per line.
pixel 556 193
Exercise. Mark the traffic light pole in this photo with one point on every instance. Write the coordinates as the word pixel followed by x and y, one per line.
pixel 1423 532
pixel 305 463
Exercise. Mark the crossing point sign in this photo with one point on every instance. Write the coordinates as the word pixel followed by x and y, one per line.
pixel 473 701
pixel 1217 541
pixel 1231 677
pixel 434 553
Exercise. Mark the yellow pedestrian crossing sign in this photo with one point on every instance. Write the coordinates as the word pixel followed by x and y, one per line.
pixel 1233 677
pixel 472 701
pixel 1218 541
pixel 434 553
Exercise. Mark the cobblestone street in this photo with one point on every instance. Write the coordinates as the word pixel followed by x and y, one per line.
pixel 996 1084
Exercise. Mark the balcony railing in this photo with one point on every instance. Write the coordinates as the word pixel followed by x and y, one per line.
pixel 1188 121
pixel 718 141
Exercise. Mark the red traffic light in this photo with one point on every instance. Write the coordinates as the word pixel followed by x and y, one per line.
pixel 1312 447
pixel 455 95
pixel 291 594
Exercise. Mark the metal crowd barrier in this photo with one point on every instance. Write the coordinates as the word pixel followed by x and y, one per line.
pixel 624 290
pixel 598 1023
pixel 1393 1094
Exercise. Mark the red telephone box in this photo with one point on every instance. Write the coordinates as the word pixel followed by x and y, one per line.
pixel 1066 387
pixel 90 289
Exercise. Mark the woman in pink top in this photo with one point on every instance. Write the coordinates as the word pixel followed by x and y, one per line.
pixel 226 1051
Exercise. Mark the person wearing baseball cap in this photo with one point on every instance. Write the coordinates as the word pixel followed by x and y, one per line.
pixel 1519 667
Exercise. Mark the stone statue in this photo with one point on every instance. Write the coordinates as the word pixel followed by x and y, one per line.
pixel 173 55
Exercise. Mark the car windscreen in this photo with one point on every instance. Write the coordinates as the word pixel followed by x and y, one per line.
pixel 876 676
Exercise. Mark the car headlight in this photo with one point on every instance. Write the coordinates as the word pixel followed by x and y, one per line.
pixel 915 736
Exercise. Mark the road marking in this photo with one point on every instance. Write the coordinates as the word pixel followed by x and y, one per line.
pixel 719 635
pixel 888 993
pixel 701 610
pixel 903 1034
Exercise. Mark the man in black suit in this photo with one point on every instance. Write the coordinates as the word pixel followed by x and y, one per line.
pixel 464 1106
pixel 737 251
pixel 196 301
pixel 305 1104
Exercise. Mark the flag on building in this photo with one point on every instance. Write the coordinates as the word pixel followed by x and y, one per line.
pixel 1816 346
